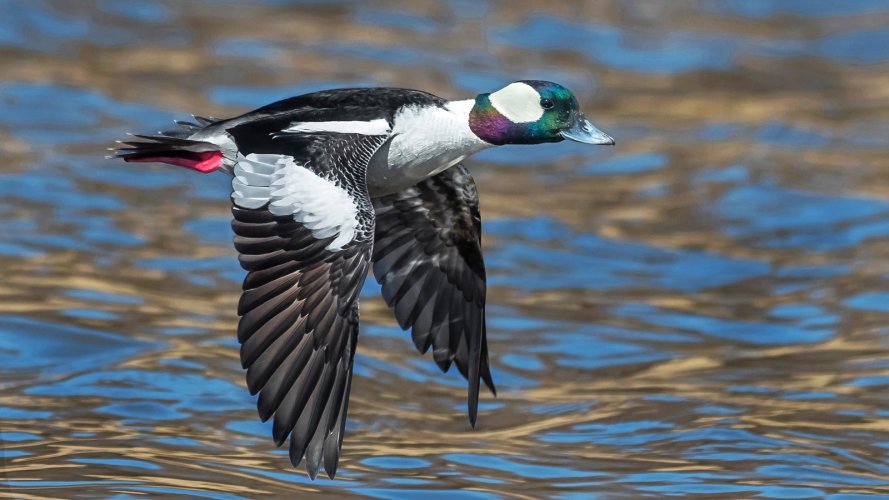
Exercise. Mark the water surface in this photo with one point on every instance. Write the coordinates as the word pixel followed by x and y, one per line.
pixel 701 310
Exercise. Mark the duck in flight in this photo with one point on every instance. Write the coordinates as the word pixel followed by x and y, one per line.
pixel 328 184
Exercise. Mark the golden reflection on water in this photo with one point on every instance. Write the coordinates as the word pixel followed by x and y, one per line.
pixel 732 299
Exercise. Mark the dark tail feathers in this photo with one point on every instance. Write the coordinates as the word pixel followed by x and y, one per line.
pixel 174 147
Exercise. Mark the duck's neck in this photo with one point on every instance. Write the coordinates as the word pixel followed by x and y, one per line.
pixel 426 141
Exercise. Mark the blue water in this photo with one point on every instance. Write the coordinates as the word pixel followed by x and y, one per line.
pixel 700 310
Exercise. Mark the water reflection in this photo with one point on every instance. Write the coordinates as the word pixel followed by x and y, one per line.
pixel 699 311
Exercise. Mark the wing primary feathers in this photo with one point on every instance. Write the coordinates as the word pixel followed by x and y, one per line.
pixel 295 401
pixel 280 381
pixel 474 364
pixel 334 441
pixel 427 257
pixel 299 307
pixel 315 449
pixel 484 368
pixel 308 419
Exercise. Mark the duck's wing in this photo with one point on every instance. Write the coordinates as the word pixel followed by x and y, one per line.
pixel 304 230
pixel 427 257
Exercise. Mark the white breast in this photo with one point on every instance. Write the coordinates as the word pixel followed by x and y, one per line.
pixel 425 141
pixel 319 204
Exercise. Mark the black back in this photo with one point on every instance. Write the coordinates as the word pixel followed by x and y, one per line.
pixel 254 132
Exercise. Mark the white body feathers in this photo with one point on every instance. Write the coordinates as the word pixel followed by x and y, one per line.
pixel 425 141
pixel 373 127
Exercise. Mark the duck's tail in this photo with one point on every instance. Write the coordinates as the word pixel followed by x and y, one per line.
pixel 173 147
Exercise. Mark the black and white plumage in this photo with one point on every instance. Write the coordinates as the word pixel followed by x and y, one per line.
pixel 307 253
pixel 328 184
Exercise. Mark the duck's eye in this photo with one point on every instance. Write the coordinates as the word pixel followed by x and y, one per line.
pixel 547 103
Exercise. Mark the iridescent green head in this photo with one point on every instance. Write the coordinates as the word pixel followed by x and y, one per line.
pixel 532 112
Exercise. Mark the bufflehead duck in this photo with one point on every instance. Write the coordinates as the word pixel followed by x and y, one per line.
pixel 328 184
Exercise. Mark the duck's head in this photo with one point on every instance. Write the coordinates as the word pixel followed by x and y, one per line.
pixel 532 112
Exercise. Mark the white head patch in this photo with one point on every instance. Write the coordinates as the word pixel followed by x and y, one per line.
pixel 519 102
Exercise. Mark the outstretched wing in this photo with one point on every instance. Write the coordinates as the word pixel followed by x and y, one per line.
pixel 304 230
pixel 427 257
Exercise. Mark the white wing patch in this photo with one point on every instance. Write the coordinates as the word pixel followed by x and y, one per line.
pixel 290 189
pixel 519 102
pixel 373 127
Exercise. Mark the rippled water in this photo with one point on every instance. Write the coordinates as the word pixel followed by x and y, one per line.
pixel 703 309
